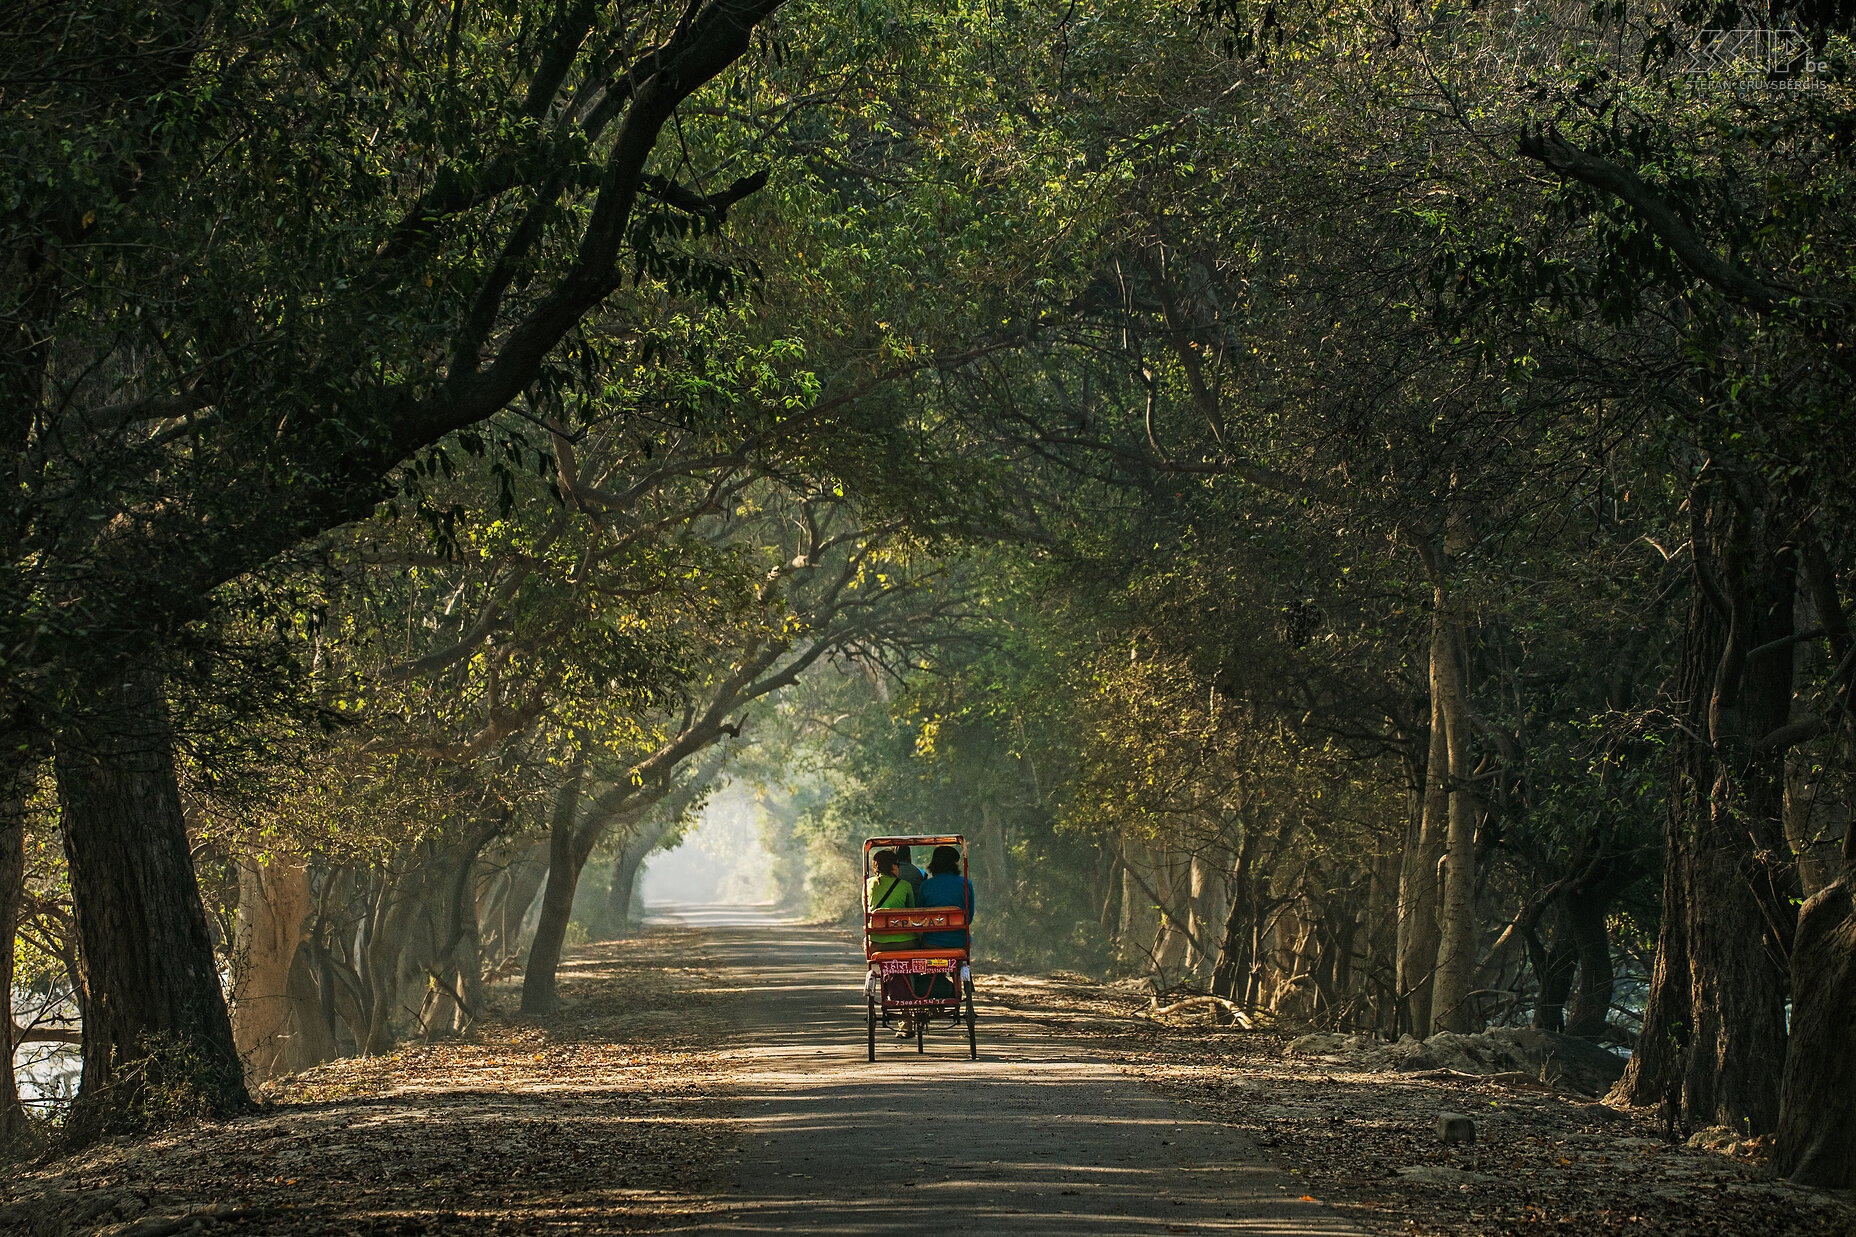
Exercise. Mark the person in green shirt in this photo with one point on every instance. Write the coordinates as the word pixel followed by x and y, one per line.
pixel 888 891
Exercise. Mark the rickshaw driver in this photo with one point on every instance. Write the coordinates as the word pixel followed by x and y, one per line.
pixel 906 869
pixel 888 891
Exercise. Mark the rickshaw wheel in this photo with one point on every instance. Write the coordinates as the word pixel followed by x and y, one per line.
pixel 973 1037
pixel 871 1002
pixel 921 1031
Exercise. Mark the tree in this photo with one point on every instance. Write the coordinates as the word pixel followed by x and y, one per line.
pixel 16 777
pixel 1771 323
pixel 837 585
pixel 180 429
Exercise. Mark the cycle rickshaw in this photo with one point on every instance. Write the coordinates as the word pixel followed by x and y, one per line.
pixel 938 981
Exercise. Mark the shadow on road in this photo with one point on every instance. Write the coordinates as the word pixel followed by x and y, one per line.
pixel 1038 1136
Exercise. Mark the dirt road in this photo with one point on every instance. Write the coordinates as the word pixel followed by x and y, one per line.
pixel 1037 1136
pixel 707 1076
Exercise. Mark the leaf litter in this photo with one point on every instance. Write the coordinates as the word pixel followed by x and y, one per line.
pixel 611 1115
pixel 1365 1140
pixel 604 1117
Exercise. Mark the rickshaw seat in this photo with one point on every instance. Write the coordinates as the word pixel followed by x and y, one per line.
pixel 916 919
pixel 899 955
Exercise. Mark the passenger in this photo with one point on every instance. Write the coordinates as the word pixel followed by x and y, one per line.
pixel 887 891
pixel 945 886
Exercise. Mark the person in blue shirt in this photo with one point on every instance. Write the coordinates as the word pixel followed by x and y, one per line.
pixel 945 886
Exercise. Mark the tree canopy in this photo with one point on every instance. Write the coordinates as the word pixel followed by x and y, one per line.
pixel 1346 508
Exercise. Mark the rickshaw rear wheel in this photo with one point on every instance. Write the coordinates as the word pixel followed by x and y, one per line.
pixel 973 1036
pixel 921 1031
pixel 871 1002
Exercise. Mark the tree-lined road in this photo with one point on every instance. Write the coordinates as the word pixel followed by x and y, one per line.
pixel 1037 1136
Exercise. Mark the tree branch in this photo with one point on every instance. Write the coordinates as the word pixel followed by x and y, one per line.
pixel 714 206
pixel 1548 147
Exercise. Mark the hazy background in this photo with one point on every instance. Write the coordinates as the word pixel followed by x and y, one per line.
pixel 722 858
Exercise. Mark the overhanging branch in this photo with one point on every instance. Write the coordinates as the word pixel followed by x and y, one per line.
pixel 1550 148
pixel 713 206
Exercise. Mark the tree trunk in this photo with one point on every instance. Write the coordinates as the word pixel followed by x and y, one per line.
pixel 1590 1010
pixel 1456 945
pixel 1817 807
pixel 382 957
pixel 1817 1109
pixel 457 965
pixel 273 906
pixel 338 985
pixel 1338 967
pixel 1110 914
pixel 1581 936
pixel 467 967
pixel 995 865
pixel 617 919
pixel 1555 963
pixel 156 1020
pixel 390 941
pixel 557 899
pixel 1419 931
pixel 1736 1054
pixel 1381 960
pixel 1170 942
pixel 1294 997
pixel 1714 1054
pixel 571 839
pixel 342 996
pixel 1653 1076
pixel 1817 1121
pixel 15 785
pixel 1816 822
pixel 312 1027
pixel 1739 913
pixel 506 902
pixel 1139 917
pixel 621 907
pixel 1235 956
pixel 1210 894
